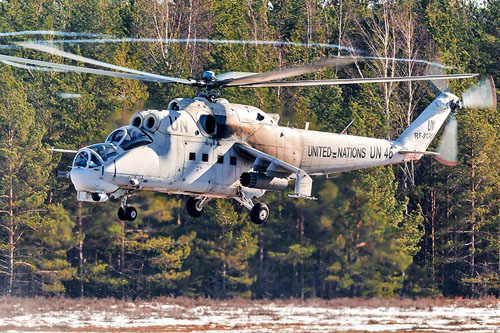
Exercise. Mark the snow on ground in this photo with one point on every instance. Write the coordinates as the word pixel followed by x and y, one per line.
pixel 167 316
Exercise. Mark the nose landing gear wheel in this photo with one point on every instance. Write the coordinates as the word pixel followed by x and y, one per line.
pixel 193 207
pixel 127 214
pixel 259 213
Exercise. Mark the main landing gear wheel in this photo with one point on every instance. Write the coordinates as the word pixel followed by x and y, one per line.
pixel 127 214
pixel 194 208
pixel 259 213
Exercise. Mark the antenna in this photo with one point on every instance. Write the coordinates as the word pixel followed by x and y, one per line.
pixel 344 131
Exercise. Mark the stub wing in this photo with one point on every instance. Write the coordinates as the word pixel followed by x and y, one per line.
pixel 274 167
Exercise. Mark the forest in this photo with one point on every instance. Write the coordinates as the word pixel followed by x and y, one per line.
pixel 373 233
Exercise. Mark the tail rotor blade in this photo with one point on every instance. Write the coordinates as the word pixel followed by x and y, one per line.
pixel 481 96
pixel 447 149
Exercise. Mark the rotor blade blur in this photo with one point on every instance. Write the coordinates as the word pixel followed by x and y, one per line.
pixel 106 40
pixel 290 72
pixel 481 96
pixel 64 54
pixel 306 83
pixel 440 86
pixel 233 75
pixel 77 69
pixel 51 33
pixel 33 68
pixel 447 148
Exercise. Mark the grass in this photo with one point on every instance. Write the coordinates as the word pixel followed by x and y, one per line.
pixel 15 306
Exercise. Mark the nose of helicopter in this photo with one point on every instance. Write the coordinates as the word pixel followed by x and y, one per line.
pixel 87 174
pixel 80 177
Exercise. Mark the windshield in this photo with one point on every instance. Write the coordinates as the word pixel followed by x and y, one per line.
pixel 105 151
pixel 116 137
pixel 94 161
pixel 129 137
pixel 81 160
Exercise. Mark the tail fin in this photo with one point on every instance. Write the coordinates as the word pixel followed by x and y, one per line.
pixel 419 135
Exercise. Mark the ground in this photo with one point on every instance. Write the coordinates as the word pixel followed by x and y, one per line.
pixel 239 315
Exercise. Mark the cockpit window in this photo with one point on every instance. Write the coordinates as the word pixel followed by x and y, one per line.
pixel 135 138
pixel 81 160
pixel 129 137
pixel 116 136
pixel 105 151
pixel 94 161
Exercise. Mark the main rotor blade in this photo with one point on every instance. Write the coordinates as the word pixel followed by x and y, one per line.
pixel 290 72
pixel 76 69
pixel 306 83
pixel 233 75
pixel 103 39
pixel 29 67
pixel 64 54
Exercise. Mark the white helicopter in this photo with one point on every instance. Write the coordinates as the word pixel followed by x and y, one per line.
pixel 206 147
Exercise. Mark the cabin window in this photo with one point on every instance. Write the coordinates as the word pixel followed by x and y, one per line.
pixel 192 156
pixel 232 160
pixel 204 157
pixel 220 159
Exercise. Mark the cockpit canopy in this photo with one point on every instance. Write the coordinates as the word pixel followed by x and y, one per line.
pixel 86 159
pixel 126 138
pixel 105 150
pixel 129 137
pixel 94 156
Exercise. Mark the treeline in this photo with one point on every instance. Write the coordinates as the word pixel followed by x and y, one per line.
pixel 372 233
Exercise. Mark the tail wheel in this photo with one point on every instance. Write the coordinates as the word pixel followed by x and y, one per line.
pixel 193 207
pixel 259 213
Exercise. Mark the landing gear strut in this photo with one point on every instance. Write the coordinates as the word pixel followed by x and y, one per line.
pixel 126 213
pixel 259 212
pixel 196 206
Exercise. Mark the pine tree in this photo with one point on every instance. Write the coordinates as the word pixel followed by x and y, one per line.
pixel 29 227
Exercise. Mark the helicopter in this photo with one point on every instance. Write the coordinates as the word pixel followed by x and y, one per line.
pixel 206 147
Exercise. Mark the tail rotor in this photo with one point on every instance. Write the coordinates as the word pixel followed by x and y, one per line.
pixel 480 96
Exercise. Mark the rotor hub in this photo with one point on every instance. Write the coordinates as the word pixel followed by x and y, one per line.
pixel 208 76
pixel 455 105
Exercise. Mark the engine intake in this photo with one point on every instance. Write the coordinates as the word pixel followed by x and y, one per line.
pixel 263 182
pixel 151 122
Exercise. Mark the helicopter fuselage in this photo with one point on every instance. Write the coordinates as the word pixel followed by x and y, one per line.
pixel 193 150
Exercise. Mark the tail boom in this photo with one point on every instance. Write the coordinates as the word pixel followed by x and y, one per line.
pixel 326 153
